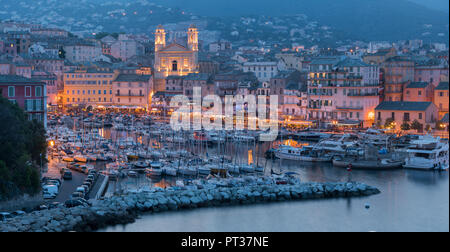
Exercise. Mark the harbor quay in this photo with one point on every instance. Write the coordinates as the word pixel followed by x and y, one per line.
pixel 127 207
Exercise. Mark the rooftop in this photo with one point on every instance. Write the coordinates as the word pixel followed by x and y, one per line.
pixel 199 76
pixel 132 78
pixel 403 106
pixel 348 62
pixel 445 118
pixel 15 79
pixel 442 86
pixel 418 85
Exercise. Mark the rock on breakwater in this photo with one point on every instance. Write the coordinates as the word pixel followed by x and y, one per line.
pixel 125 208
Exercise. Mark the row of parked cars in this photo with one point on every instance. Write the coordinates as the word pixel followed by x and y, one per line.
pixel 81 194
pixel 83 168
pixel 4 215
pixel 50 187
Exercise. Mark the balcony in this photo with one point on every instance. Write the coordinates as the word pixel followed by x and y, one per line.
pixel 393 92
pixel 364 94
pixel 349 108
pixel 130 95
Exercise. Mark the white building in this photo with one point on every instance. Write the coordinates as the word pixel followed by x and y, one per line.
pixel 220 45
pixel 264 71
pixel 82 52
pixel 126 48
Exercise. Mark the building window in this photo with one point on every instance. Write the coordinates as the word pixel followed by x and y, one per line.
pixel 11 91
pixel 38 91
pixel 27 91
pixel 420 116
pixel 420 93
pixel 174 65
pixel 406 117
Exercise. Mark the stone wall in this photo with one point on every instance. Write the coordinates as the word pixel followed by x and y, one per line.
pixel 23 202
pixel 125 208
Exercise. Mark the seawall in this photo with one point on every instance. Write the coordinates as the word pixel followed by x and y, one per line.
pixel 125 208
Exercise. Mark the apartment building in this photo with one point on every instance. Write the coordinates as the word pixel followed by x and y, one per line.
pixel 29 94
pixel 132 91
pixel 343 89
pixel 90 86
pixel 264 71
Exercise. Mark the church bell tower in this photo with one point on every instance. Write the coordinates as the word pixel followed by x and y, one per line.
pixel 192 38
pixel 160 38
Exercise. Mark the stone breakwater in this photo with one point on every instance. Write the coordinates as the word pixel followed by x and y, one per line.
pixel 125 208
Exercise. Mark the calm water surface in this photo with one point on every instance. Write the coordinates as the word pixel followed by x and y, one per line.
pixel 409 201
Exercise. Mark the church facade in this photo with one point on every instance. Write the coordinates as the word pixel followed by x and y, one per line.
pixel 174 58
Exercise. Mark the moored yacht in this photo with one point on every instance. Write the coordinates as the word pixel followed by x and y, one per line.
pixel 306 153
pixel 427 153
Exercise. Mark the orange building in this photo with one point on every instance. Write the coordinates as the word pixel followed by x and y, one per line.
pixel 424 112
pixel 398 72
pixel 441 98
pixel 419 92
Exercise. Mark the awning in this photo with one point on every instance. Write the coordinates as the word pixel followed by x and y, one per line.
pixel 349 123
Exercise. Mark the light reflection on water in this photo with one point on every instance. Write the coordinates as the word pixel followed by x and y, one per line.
pixel 409 201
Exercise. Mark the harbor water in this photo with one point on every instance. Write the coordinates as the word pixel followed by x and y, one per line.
pixel 410 200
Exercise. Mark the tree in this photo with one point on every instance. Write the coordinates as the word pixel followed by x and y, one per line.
pixel 405 126
pixel 389 122
pixel 416 125
pixel 23 142
pixel 101 35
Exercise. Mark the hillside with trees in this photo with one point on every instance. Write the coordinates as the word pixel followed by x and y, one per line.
pixel 22 144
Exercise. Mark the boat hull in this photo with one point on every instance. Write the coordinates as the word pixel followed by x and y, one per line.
pixel 302 158
pixel 367 165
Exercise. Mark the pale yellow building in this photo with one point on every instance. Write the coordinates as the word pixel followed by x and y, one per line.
pixel 174 59
pixel 92 86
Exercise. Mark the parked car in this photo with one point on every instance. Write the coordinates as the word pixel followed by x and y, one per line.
pixel 53 205
pixel 81 189
pixel 17 213
pixel 42 207
pixel 52 189
pixel 47 195
pixel 77 195
pixel 84 201
pixel 73 203
pixel 86 188
pixel 53 182
pixel 67 175
pixel 88 180
pixel 4 216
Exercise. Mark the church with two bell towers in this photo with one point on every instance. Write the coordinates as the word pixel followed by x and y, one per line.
pixel 174 58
